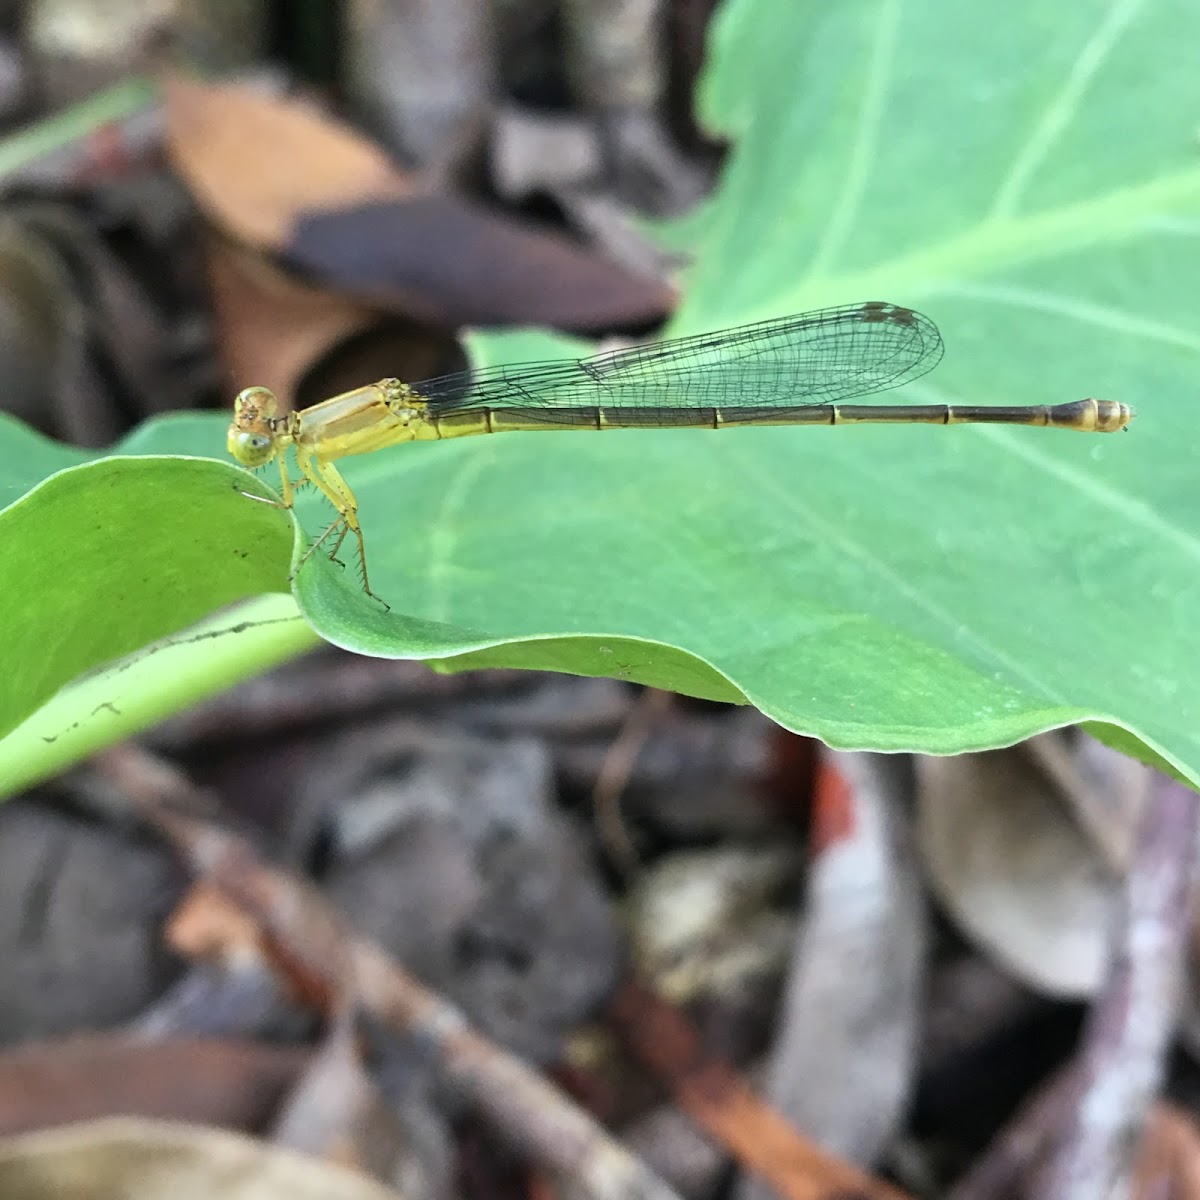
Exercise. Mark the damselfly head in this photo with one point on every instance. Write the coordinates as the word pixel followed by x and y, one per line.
pixel 251 438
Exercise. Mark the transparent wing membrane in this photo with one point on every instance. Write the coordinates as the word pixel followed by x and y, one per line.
pixel 817 358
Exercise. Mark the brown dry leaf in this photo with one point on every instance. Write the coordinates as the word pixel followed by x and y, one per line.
pixel 718 1099
pixel 306 343
pixel 1169 1163
pixel 446 259
pixel 283 177
pixel 253 162
pixel 1018 873
pixel 212 1081
pixel 207 926
pixel 129 1159
pixel 272 327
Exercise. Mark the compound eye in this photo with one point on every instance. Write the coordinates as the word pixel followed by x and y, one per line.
pixel 250 447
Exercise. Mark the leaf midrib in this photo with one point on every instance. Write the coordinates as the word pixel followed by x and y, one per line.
pixel 998 241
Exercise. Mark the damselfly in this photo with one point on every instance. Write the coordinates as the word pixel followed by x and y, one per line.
pixel 787 371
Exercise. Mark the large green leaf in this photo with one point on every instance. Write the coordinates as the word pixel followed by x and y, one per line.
pixel 1026 176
